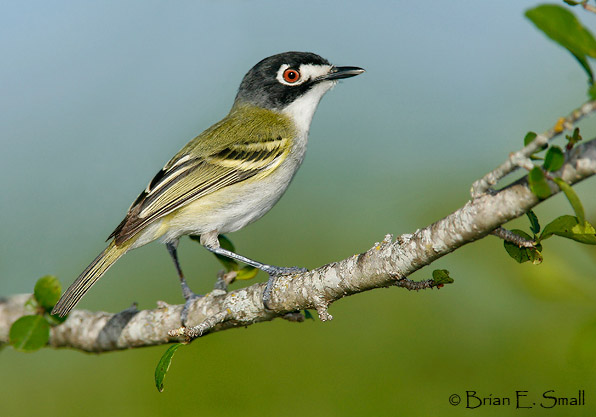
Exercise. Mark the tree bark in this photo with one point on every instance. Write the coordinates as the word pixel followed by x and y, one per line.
pixel 387 263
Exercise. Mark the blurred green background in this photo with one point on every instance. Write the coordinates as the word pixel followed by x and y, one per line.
pixel 97 96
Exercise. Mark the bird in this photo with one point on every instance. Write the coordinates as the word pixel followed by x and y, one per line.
pixel 228 176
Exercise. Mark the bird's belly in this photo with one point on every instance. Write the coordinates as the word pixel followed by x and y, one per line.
pixel 229 209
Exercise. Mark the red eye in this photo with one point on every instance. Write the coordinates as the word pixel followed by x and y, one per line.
pixel 291 75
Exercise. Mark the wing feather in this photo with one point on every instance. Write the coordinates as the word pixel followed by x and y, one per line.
pixel 185 179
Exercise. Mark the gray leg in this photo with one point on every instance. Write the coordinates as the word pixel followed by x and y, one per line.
pixel 188 295
pixel 273 271
pixel 270 269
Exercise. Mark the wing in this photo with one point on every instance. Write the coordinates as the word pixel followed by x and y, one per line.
pixel 186 178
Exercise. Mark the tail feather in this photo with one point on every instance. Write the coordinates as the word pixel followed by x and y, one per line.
pixel 89 277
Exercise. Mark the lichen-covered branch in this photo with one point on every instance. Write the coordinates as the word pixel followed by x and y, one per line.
pixel 386 263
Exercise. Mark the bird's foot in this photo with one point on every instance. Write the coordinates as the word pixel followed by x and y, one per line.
pixel 185 310
pixel 274 272
pixel 190 297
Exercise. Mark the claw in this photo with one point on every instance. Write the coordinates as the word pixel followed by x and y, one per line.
pixel 282 270
pixel 184 314
pixel 274 272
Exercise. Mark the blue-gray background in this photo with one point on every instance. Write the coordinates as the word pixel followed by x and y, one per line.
pixel 95 97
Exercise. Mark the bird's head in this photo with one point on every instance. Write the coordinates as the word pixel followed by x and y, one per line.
pixel 291 81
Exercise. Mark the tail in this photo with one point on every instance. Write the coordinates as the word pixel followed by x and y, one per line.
pixel 89 277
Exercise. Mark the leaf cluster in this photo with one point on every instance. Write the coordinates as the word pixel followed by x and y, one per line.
pixel 571 227
pixel 32 332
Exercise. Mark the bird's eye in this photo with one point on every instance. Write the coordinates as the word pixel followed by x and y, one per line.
pixel 291 75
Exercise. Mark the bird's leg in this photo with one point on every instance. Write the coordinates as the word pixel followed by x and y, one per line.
pixel 273 271
pixel 188 295
pixel 270 269
pixel 211 243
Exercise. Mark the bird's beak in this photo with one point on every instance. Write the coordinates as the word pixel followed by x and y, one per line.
pixel 337 73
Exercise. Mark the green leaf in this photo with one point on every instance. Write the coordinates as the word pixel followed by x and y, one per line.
pixel 561 223
pixel 29 333
pixel 573 198
pixel 572 3
pixel 538 184
pixel 574 138
pixel 248 272
pixel 530 136
pixel 534 225
pixel 583 233
pixel 47 291
pixel 31 305
pixel 308 315
pixel 592 92
pixel 583 62
pixel 562 26
pixel 523 254
pixel 570 228
pixel 225 243
pixel 54 319
pixel 554 159
pixel 229 264
pixel 164 365
pixel 441 277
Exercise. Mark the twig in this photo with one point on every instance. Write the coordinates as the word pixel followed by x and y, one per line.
pixel 410 285
pixel 520 158
pixel 589 7
pixel 509 236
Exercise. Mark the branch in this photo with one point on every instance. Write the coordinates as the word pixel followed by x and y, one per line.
pixel 520 159
pixel 387 263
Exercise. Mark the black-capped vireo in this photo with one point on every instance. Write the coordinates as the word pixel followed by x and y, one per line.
pixel 231 174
